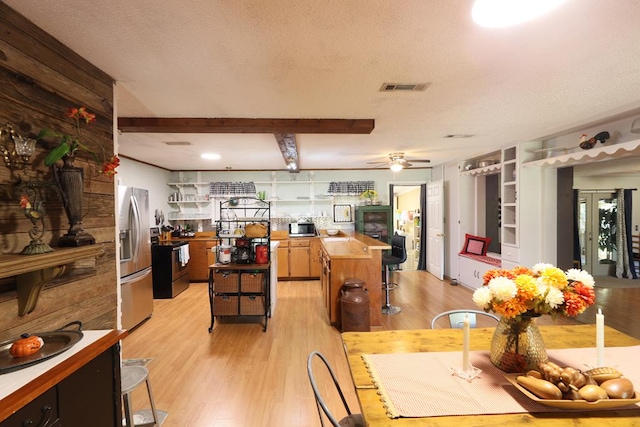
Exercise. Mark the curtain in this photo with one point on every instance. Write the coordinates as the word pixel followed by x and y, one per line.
pixel 624 259
pixel 628 203
pixel 577 258
pixel 422 263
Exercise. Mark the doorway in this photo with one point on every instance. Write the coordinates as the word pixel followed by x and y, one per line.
pixel 597 231
pixel 408 220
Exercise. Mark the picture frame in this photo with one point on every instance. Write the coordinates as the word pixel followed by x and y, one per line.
pixel 342 213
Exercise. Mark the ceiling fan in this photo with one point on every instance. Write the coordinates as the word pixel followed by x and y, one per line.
pixel 397 162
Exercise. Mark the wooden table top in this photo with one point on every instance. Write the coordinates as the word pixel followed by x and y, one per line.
pixel 440 340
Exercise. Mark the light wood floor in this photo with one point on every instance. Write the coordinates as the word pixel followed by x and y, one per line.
pixel 239 376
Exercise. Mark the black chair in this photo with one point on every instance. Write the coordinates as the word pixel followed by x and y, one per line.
pixel 350 420
pixel 397 256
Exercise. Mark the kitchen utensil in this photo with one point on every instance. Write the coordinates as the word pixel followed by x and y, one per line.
pixel 262 254
pixel 224 254
pixel 243 255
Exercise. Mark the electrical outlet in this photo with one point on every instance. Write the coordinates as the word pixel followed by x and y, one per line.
pixel 636 227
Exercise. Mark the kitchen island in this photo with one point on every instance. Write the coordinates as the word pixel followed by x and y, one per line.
pixel 351 255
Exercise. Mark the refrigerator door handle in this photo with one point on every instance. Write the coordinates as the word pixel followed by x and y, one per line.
pixel 136 276
pixel 135 210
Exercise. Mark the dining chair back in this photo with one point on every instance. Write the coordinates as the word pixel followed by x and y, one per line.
pixel 456 317
pixel 350 420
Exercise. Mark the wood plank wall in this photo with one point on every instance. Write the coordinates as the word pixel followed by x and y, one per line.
pixel 39 79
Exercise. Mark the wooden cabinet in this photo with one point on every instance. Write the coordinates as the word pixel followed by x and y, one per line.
pixel 283 259
pixel 343 261
pixel 315 266
pixel 199 259
pixel 375 221
pixel 79 392
pixel 299 258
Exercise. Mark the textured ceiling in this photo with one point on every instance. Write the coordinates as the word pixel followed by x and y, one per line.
pixel 328 59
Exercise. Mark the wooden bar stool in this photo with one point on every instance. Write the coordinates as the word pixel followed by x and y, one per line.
pixel 131 377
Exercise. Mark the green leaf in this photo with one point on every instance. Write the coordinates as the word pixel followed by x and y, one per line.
pixel 57 153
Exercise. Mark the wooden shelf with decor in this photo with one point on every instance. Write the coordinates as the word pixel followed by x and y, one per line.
pixel 33 271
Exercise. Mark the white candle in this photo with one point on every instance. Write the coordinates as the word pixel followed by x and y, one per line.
pixel 465 343
pixel 600 337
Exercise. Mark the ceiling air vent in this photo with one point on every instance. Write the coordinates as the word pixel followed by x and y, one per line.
pixel 177 142
pixel 404 87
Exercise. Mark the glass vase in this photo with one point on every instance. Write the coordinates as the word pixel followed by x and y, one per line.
pixel 517 345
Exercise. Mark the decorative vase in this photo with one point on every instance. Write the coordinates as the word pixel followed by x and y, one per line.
pixel 70 181
pixel 517 345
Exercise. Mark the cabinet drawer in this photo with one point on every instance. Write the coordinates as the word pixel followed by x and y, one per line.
pixel 510 253
pixel 225 282
pixel 252 305
pixel 251 282
pixel 225 305
pixel 298 242
pixel 43 410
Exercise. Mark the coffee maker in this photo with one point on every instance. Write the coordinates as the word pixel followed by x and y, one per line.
pixel 243 251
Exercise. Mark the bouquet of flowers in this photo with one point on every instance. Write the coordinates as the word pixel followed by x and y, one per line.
pixel 543 289
pixel 69 144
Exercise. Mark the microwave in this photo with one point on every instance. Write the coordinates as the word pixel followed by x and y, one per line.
pixel 302 229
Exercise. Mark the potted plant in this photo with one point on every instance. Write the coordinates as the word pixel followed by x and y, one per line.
pixel 370 197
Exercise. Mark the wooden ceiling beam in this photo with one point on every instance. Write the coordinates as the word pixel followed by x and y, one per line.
pixel 240 125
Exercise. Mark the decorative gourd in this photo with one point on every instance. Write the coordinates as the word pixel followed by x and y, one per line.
pixel 26 346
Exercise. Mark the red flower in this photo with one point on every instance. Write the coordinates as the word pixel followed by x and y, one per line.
pixel 109 168
pixel 585 292
pixel 81 113
pixel 574 304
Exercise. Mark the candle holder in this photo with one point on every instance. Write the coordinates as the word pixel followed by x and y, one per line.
pixel 469 374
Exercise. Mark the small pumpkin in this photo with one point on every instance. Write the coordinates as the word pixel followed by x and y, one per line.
pixel 26 346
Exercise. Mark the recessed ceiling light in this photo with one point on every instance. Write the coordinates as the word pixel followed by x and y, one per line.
pixel 503 13
pixel 210 156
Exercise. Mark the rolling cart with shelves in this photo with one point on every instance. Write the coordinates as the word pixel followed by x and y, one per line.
pixel 242 289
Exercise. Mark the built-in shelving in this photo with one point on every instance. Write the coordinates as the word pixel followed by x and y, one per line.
pixel 607 152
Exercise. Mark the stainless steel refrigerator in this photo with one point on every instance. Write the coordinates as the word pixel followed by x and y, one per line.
pixel 135 256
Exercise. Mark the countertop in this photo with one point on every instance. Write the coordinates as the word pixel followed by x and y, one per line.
pixel 350 244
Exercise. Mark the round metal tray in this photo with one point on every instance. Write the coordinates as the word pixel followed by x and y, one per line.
pixel 55 342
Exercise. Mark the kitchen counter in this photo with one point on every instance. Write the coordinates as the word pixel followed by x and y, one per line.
pixel 351 255
pixel 19 388
pixel 351 244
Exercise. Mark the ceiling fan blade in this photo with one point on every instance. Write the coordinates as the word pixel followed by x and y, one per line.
pixel 377 163
pixel 420 160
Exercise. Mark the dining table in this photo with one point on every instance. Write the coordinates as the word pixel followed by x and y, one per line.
pixel 412 350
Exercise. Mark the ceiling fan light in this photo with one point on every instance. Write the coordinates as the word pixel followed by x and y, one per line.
pixel 503 13
pixel 396 167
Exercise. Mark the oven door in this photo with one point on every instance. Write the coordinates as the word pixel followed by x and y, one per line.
pixel 179 268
